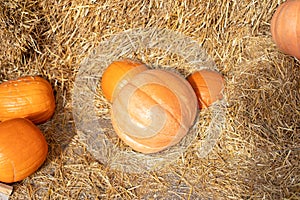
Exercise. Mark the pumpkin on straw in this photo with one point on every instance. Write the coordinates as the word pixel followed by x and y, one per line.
pixel 151 110
pixel 23 149
pixel 30 97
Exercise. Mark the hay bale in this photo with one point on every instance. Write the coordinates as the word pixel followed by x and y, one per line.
pixel 257 155
pixel 21 32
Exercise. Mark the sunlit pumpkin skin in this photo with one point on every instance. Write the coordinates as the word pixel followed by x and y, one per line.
pixel 23 149
pixel 154 110
pixel 29 97
pixel 285 27
pixel 208 86
pixel 117 74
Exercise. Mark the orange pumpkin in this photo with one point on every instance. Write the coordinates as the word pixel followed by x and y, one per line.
pixel 154 110
pixel 117 74
pixel 285 27
pixel 29 97
pixel 23 149
pixel 208 86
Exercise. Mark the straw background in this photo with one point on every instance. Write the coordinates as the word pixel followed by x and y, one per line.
pixel 257 156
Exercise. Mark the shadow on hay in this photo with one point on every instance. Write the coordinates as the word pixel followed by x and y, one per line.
pixel 22 30
pixel 60 129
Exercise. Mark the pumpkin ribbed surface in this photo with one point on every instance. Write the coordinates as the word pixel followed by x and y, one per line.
pixel 23 149
pixel 154 110
pixel 29 97
pixel 208 86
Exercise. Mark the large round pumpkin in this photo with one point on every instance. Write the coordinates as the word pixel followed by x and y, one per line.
pixel 208 86
pixel 285 27
pixel 117 74
pixel 154 110
pixel 29 97
pixel 23 149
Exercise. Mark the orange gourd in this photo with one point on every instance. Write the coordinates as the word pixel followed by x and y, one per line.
pixel 285 27
pixel 154 110
pixel 117 74
pixel 29 97
pixel 208 86
pixel 23 149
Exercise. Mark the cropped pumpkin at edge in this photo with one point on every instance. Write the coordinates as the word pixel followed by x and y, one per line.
pixel 153 110
pixel 208 86
pixel 30 97
pixel 23 149
pixel 285 28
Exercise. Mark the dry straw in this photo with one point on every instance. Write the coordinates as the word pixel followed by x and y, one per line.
pixel 93 121
pixel 257 155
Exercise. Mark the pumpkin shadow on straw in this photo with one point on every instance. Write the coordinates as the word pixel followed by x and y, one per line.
pixel 59 130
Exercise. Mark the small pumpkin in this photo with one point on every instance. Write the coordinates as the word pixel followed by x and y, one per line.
pixel 285 27
pixel 117 74
pixel 208 86
pixel 30 97
pixel 154 110
pixel 23 149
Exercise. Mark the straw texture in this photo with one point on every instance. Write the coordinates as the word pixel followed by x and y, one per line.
pixel 257 153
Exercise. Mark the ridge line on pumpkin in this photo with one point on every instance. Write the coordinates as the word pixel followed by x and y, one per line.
pixel 166 85
pixel 171 133
pixel 164 108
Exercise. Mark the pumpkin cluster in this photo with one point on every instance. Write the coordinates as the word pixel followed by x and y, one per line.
pixel 154 109
pixel 285 27
pixel 24 103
